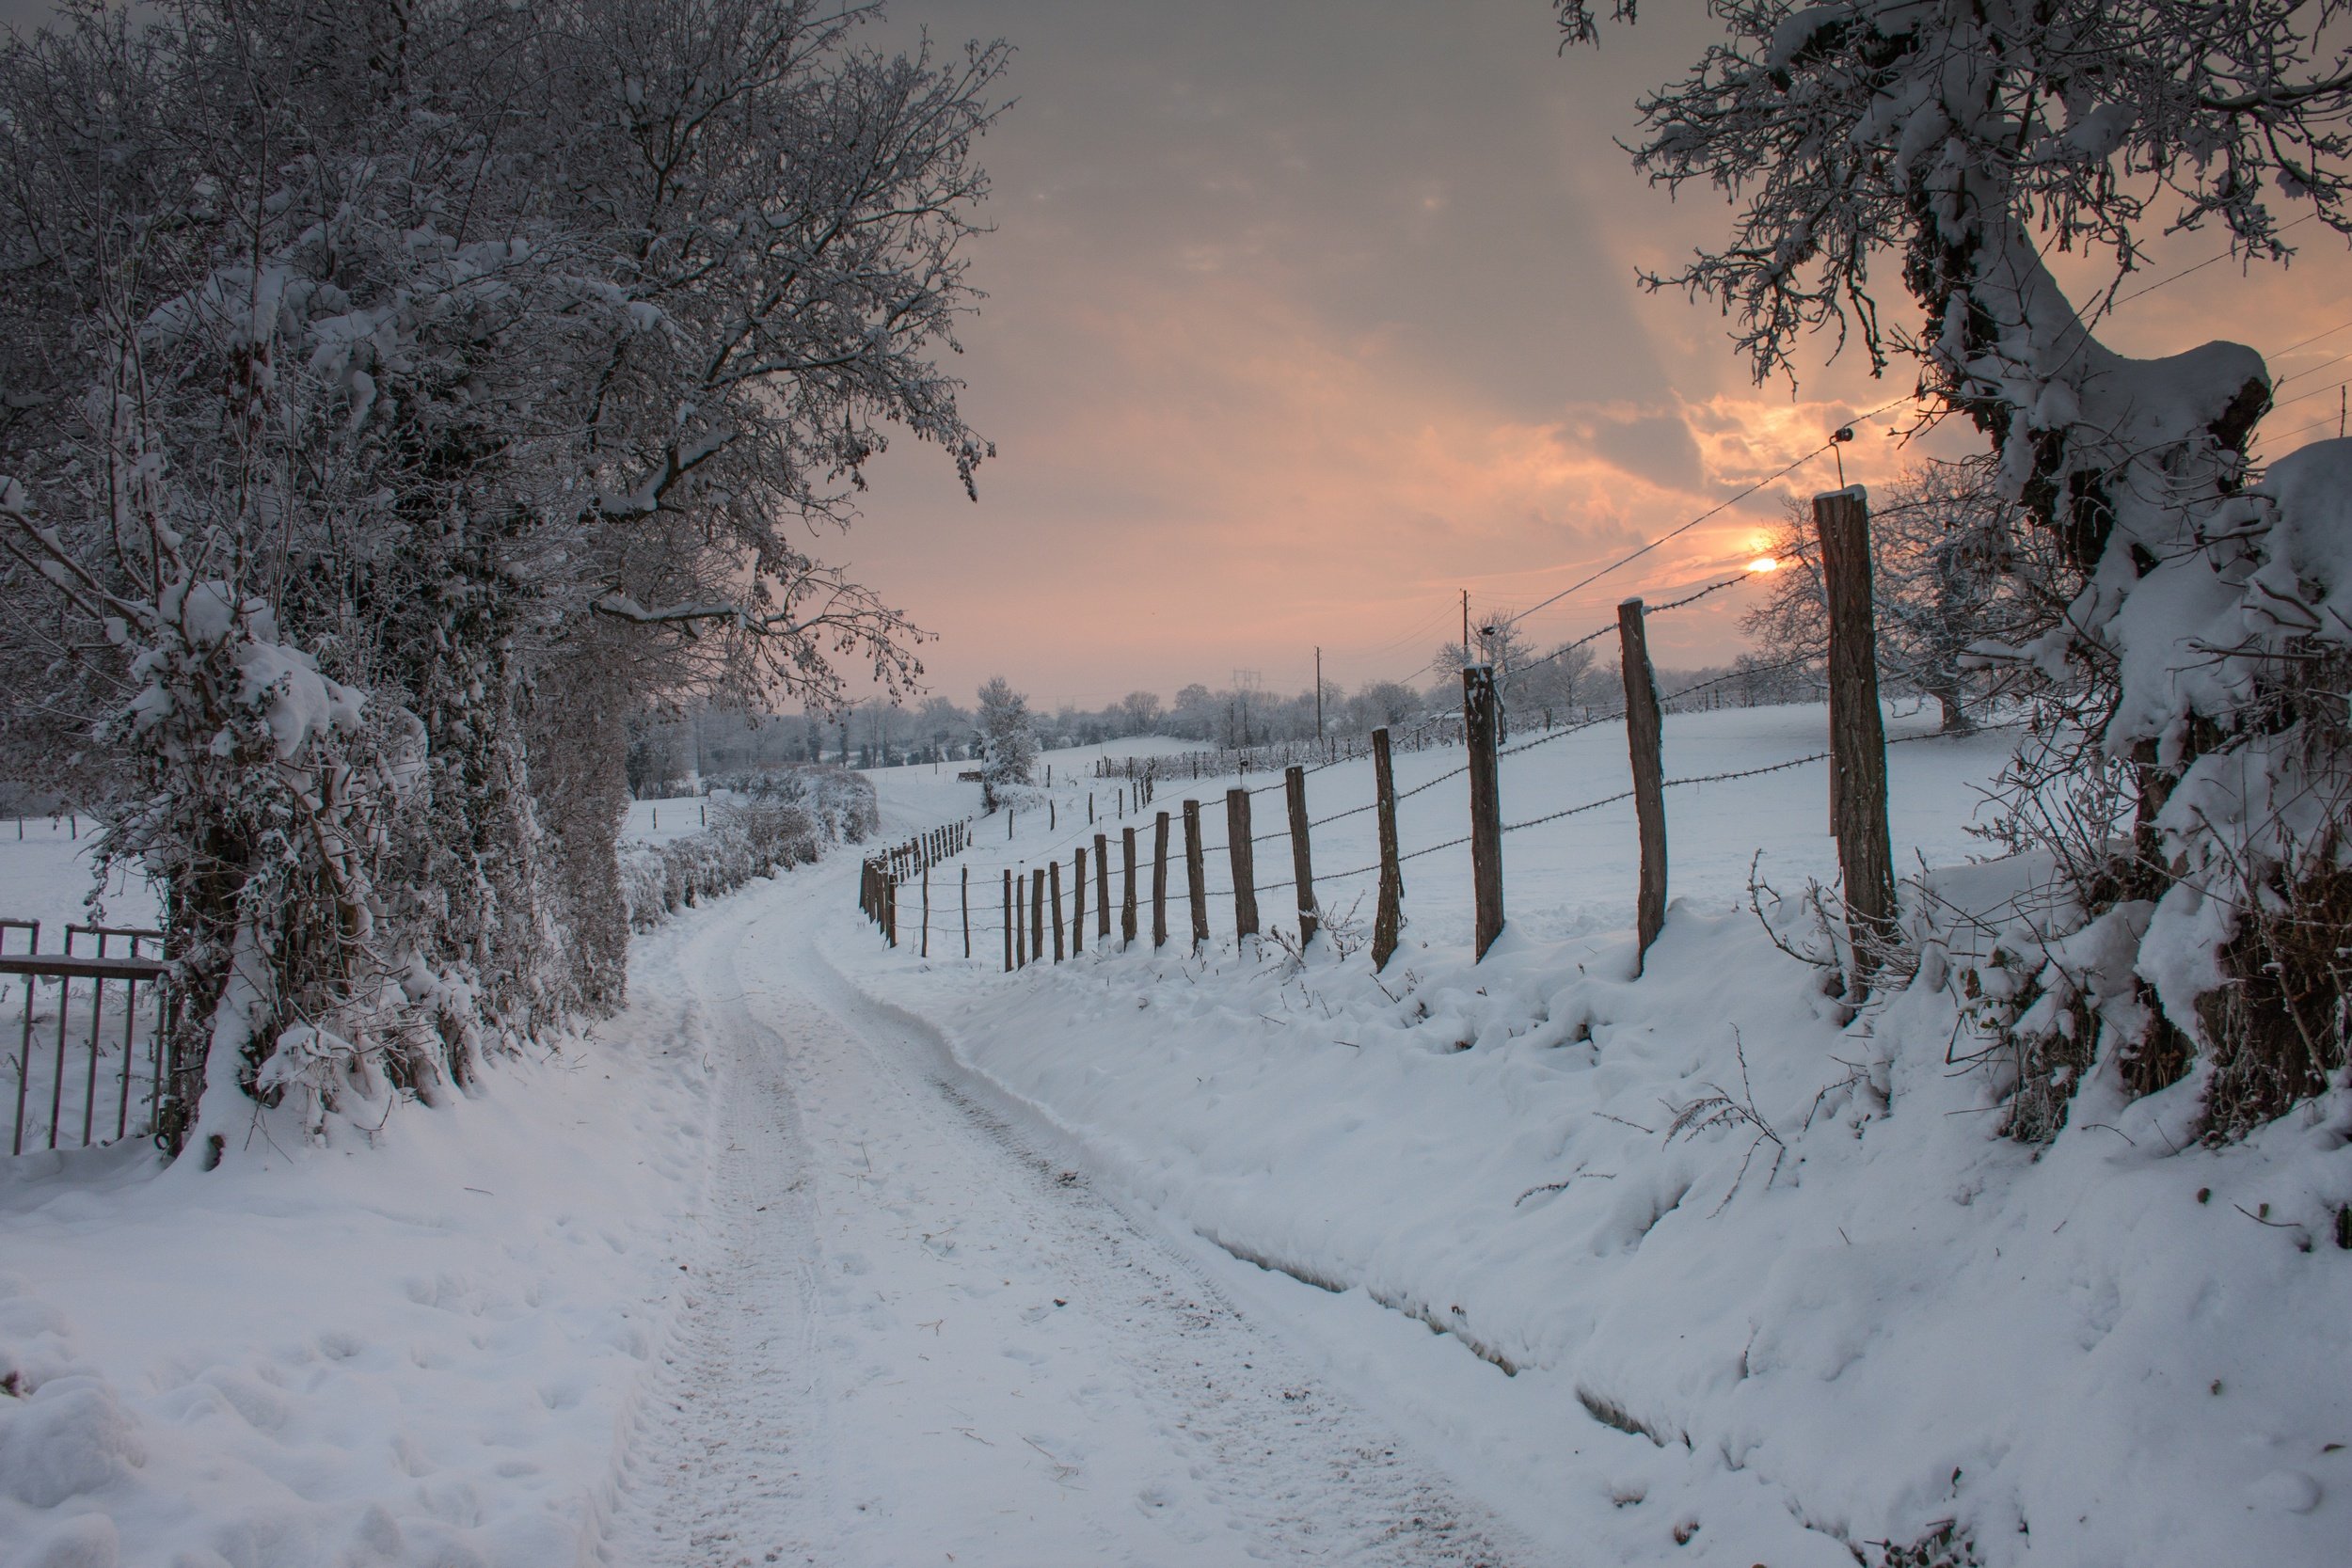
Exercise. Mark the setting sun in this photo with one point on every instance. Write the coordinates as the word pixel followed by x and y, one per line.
pixel 1764 564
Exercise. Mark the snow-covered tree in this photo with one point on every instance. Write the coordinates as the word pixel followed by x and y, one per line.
pixel 396 396
pixel 1939 147
pixel 1953 565
pixel 1383 704
pixel 1139 711
pixel 1007 738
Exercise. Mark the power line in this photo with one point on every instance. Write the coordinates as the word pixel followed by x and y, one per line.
pixel 2210 260
pixel 1717 510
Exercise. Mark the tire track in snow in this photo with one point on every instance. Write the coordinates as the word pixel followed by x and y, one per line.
pixel 916 1340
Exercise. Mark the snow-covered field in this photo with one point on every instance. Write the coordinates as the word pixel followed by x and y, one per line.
pixel 823 1253
pixel 1836 1308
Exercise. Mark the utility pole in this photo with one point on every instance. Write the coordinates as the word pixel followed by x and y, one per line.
pixel 1467 657
pixel 1318 693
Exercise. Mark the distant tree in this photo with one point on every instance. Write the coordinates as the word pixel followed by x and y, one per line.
pixel 1197 713
pixel 1139 711
pixel 1497 642
pixel 1555 683
pixel 1008 737
pixel 1383 704
pixel 1945 553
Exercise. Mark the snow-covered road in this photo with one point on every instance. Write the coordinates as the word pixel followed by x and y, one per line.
pixel 919 1337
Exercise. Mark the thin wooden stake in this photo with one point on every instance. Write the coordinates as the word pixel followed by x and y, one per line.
pixel 1102 887
pixel 1159 882
pixel 1009 920
pixel 1037 917
pixel 1645 746
pixel 1302 859
pixel 927 911
pixel 1053 874
pixel 1196 876
pixel 1858 732
pixel 1243 856
pixel 963 895
pixel 1127 896
pixel 1020 921
pixel 1486 804
pixel 1078 903
pixel 1390 916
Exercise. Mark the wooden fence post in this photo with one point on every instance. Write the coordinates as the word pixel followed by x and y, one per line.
pixel 1037 913
pixel 1644 744
pixel 927 910
pixel 1390 916
pixel 1053 874
pixel 1021 921
pixel 1196 877
pixel 1857 734
pixel 1127 894
pixel 1302 860
pixel 1159 882
pixel 1485 803
pixel 1053 817
pixel 890 907
pixel 964 896
pixel 1078 903
pixel 1009 920
pixel 1243 855
pixel 1103 886
pixel 1089 808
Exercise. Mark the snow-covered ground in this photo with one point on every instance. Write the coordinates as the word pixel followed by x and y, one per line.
pixel 824 1252
pixel 1785 1251
pixel 47 875
pixel 414 1347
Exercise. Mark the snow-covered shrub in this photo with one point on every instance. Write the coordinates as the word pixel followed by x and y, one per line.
pixel 747 837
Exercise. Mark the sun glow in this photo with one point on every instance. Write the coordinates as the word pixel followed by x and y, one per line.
pixel 1763 563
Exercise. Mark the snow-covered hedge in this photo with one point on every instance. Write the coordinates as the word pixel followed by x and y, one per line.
pixel 766 825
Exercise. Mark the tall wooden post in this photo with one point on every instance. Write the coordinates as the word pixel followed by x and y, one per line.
pixel 1053 874
pixel 1243 858
pixel 1196 876
pixel 1103 886
pixel 1390 916
pixel 1302 860
pixel 927 910
pixel 1009 921
pixel 1644 745
pixel 1857 734
pixel 965 898
pixel 890 910
pixel 1127 893
pixel 1078 903
pixel 1159 882
pixel 1021 921
pixel 1485 802
pixel 1037 913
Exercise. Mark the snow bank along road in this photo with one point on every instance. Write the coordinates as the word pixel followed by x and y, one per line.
pixel 916 1336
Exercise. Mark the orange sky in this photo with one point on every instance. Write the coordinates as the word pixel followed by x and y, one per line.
pixel 1304 317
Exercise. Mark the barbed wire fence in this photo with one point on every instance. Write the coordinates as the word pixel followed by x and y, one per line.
pixel 1040 917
